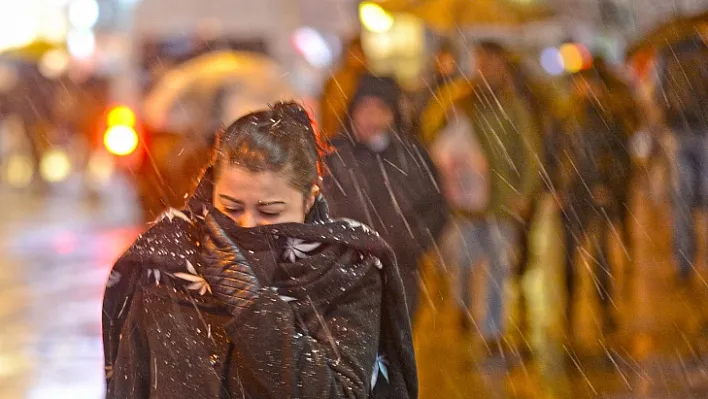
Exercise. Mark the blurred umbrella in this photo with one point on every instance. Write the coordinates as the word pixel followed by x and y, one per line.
pixel 32 52
pixel 447 15
pixel 255 79
pixel 670 33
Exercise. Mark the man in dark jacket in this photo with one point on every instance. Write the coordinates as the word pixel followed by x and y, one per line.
pixel 593 178
pixel 381 176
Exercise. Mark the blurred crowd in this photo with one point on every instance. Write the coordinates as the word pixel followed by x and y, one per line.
pixel 46 124
pixel 458 171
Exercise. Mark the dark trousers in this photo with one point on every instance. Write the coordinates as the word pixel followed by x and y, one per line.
pixel 596 222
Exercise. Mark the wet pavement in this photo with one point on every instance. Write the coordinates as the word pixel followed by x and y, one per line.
pixel 56 253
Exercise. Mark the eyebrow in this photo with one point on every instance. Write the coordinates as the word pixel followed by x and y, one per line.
pixel 226 197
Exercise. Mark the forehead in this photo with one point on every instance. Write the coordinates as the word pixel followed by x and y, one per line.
pixel 487 54
pixel 371 101
pixel 244 185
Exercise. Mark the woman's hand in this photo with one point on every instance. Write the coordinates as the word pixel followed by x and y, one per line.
pixel 230 276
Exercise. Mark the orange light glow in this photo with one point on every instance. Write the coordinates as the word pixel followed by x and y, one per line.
pixel 121 116
pixel 572 57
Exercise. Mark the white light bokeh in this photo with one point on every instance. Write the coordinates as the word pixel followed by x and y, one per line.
pixel 81 43
pixel 313 47
pixel 83 14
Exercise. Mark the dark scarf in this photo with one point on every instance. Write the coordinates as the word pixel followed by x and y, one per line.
pixel 318 273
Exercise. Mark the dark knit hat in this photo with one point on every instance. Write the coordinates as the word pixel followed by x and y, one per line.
pixel 384 88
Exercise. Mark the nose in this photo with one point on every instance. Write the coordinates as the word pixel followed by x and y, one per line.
pixel 247 220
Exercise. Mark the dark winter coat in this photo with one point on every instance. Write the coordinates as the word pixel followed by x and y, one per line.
pixel 328 323
pixel 593 153
pixel 394 191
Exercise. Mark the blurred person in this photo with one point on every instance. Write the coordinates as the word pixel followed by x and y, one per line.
pixel 541 101
pixel 382 176
pixel 595 178
pixel 340 87
pixel 439 82
pixel 685 104
pixel 31 101
pixel 444 65
pixel 253 290
pixel 492 121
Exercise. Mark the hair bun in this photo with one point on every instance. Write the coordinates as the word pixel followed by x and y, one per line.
pixel 293 110
pixel 299 114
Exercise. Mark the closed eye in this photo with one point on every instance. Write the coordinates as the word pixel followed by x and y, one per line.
pixel 271 209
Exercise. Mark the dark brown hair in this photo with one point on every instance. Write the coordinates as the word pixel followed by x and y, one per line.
pixel 281 139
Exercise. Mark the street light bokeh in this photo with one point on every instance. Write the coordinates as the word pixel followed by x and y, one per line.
pixel 121 140
pixel 374 18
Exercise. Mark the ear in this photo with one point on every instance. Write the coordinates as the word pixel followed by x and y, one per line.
pixel 311 197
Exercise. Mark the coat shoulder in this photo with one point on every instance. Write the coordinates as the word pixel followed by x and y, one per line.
pixel 341 144
pixel 341 157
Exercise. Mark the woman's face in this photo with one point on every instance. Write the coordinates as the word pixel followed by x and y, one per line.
pixel 260 198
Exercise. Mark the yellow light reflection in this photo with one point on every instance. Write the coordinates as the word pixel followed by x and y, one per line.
pixel 374 18
pixel 55 166
pixel 54 63
pixel 100 168
pixel 18 171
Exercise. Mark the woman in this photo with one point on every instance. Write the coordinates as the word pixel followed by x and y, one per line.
pixel 253 291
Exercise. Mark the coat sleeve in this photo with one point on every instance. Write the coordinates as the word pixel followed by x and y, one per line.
pixel 122 335
pixel 333 358
pixel 117 300
pixel 429 204
pixel 131 368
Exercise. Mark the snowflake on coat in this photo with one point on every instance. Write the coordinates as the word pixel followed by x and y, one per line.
pixel 283 297
pixel 172 213
pixel 198 283
pixel 156 273
pixel 298 249
pixel 358 225
pixel 380 367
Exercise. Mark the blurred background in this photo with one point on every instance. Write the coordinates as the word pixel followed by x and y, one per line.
pixel 108 109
